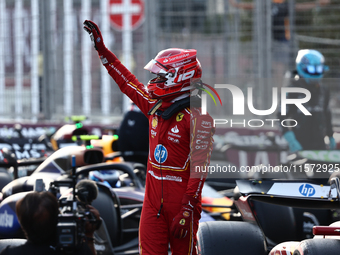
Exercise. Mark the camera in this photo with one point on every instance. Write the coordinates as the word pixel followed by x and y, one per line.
pixel 71 225
pixel 74 213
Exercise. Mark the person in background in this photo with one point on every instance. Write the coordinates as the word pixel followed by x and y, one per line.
pixel 133 138
pixel 310 131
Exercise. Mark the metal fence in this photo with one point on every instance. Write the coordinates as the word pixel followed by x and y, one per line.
pixel 49 69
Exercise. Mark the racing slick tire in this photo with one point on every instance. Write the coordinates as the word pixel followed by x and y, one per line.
pixel 318 247
pixel 230 238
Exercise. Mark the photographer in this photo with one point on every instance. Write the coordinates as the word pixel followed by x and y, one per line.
pixel 38 216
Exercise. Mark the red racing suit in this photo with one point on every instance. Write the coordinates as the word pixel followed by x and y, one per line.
pixel 179 149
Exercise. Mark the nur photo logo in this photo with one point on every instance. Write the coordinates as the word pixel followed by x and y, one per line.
pixel 239 102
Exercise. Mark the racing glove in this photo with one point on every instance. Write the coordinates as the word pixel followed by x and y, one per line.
pixel 183 221
pixel 95 35
pixel 294 145
pixel 105 55
pixel 332 143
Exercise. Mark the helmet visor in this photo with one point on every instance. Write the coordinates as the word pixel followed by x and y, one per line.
pixel 314 69
pixel 155 67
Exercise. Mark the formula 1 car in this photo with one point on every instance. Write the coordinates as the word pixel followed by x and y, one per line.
pixel 276 222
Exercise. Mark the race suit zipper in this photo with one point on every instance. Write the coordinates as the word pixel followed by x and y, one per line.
pixel 160 161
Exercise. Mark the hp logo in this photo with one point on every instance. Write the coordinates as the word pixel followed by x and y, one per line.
pixel 307 190
pixel 160 154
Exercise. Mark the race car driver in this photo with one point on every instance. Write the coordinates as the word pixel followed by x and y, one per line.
pixel 180 139
pixel 310 131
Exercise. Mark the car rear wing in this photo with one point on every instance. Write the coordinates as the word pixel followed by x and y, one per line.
pixel 293 193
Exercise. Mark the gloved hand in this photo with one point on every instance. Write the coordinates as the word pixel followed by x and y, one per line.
pixel 294 145
pixel 183 220
pixel 95 35
pixel 332 143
